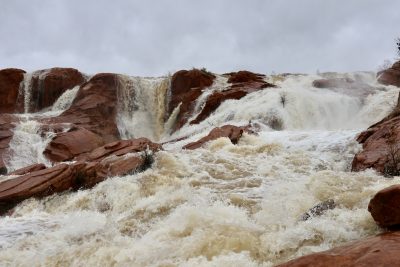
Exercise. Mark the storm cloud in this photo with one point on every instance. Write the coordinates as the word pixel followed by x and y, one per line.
pixel 156 37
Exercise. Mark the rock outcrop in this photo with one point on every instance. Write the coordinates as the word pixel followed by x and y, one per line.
pixel 381 149
pixel 242 83
pixel 385 207
pixel 67 145
pixel 7 124
pixel 381 250
pixel 94 107
pixel 46 86
pixel 10 80
pixel 390 76
pixel 230 131
pixel 186 87
pixel 117 158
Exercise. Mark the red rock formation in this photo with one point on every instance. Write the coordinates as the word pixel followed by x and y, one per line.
pixel 385 207
pixel 28 169
pixel 67 145
pixel 381 250
pixel 243 83
pixel 46 86
pixel 186 87
pixel 94 107
pixel 390 76
pixel 10 80
pixel 7 124
pixel 113 159
pixel 232 132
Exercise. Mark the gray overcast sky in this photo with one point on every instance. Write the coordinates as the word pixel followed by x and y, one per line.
pixel 156 37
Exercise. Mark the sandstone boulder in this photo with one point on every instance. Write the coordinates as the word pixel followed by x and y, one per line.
pixel 7 124
pixel 390 76
pixel 385 207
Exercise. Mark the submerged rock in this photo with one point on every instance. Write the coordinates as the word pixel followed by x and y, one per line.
pixel 385 207
pixel 232 132
pixel 319 209
pixel 10 80
pixel 380 250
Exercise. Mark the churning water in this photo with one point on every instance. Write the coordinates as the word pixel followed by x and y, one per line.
pixel 220 205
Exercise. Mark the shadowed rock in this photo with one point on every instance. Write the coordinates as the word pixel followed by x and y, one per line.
pixel 385 207
pixel 10 80
pixel 319 209
pixel 7 124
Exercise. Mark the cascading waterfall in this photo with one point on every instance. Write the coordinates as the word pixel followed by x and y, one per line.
pixel 223 204
pixel 142 107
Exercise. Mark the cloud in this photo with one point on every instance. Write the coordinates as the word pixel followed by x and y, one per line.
pixel 157 37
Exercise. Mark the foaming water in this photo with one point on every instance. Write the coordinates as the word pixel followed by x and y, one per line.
pixel 27 145
pixel 222 204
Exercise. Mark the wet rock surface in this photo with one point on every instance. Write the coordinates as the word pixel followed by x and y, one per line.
pixel 381 250
pixel 232 132
pixel 385 207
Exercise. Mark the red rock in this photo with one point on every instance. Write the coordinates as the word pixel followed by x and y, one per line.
pixel 94 107
pixel 232 132
pixel 28 169
pixel 244 76
pixel 113 159
pixel 390 76
pixel 7 124
pixel 46 86
pixel 381 250
pixel 67 145
pixel 380 144
pixel 10 80
pixel 186 87
pixel 385 207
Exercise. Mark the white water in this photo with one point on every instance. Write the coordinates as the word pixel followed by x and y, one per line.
pixel 223 204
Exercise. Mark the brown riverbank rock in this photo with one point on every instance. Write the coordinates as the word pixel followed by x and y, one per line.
pixel 46 86
pixel 7 124
pixel 385 207
pixel 230 131
pixel 380 250
pixel 186 87
pixel 390 76
pixel 10 80
pixel 118 158
pixel 74 142
pixel 94 107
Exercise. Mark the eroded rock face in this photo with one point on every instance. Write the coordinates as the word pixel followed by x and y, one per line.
pixel 10 80
pixel 391 76
pixel 48 85
pixel 7 124
pixel 186 87
pixel 74 142
pixel 113 159
pixel 94 107
pixel 385 207
pixel 230 131
pixel 242 83
pixel 381 250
